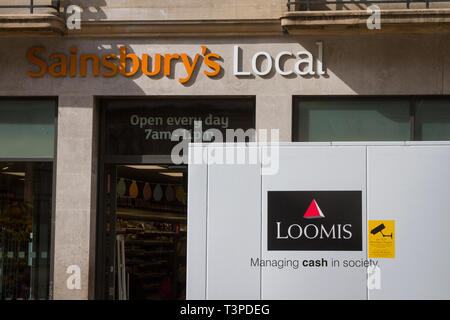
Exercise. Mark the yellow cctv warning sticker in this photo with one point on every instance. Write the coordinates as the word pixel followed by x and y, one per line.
pixel 381 238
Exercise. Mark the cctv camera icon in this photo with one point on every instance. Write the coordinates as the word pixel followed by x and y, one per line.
pixel 381 227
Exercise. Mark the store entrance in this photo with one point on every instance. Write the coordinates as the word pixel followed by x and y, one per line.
pixel 147 232
pixel 140 250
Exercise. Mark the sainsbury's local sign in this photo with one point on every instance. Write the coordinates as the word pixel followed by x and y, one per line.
pixel 128 64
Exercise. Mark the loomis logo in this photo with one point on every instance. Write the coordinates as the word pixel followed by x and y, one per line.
pixel 313 211
pixel 340 229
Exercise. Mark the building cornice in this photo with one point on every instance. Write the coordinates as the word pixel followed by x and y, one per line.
pixel 406 21
pixel 31 25
pixel 189 28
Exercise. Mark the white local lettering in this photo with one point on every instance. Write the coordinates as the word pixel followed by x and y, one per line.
pixel 305 65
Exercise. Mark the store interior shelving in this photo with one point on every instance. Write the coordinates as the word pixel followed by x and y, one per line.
pixel 154 237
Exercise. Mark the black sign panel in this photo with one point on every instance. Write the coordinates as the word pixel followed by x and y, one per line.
pixel 145 126
pixel 315 220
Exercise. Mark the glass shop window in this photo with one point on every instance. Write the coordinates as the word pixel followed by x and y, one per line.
pixel 371 119
pixel 351 120
pixel 25 220
pixel 432 119
pixel 27 129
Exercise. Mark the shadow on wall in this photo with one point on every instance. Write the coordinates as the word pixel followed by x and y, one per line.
pixel 385 63
pixel 197 69
pixel 355 5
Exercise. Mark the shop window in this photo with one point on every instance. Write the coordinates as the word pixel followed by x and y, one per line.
pixel 351 120
pixel 432 119
pixel 25 220
pixel 371 119
pixel 145 127
pixel 27 129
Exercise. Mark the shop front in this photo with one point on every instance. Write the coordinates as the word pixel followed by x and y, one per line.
pixel 94 181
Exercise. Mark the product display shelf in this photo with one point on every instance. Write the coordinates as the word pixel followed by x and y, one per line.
pixel 151 241
pixel 139 215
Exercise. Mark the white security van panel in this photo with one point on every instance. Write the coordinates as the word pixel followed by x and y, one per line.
pixel 411 185
pixel 196 232
pixel 316 168
pixel 241 221
pixel 234 230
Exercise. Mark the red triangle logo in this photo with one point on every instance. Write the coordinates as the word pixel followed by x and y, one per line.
pixel 313 211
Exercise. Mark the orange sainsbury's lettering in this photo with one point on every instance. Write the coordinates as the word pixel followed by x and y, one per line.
pixel 124 56
pixel 95 64
pixel 125 63
pixel 214 65
pixel 167 62
pixel 37 61
pixel 110 65
pixel 156 69
pixel 189 68
pixel 58 68
pixel 73 62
